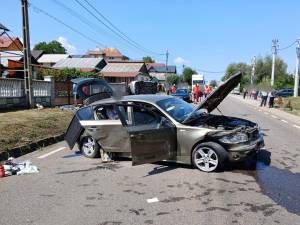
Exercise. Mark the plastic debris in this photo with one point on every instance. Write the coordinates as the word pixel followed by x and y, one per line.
pixel 152 200
pixel 11 167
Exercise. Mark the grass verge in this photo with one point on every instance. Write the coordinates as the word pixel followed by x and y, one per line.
pixel 26 126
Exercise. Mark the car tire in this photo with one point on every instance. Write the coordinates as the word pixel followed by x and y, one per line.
pixel 89 147
pixel 209 157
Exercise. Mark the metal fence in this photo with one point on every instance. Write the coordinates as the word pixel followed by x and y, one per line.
pixel 12 92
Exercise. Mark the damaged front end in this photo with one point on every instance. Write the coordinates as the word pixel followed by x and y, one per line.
pixel 241 138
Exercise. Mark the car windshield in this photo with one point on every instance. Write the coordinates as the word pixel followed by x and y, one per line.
pixel 176 108
pixel 181 91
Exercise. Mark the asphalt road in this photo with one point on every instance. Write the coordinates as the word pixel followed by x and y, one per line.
pixel 71 189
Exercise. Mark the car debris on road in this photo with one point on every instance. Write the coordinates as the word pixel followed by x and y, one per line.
pixel 11 167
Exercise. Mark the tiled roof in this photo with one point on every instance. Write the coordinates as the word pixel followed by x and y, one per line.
pixel 5 42
pixel 160 69
pixel 108 52
pixel 52 58
pixel 123 67
pixel 78 63
pixel 155 64
pixel 119 74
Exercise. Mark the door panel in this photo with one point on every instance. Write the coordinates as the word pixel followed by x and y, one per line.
pixel 152 137
pixel 110 134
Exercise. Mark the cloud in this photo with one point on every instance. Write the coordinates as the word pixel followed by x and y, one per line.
pixel 180 61
pixel 71 49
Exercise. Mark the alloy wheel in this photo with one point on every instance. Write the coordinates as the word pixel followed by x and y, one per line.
pixel 88 146
pixel 206 159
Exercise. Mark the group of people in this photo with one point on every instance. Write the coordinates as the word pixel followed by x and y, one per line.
pixel 197 93
pixel 263 95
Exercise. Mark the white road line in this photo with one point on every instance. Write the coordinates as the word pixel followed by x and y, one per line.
pixel 275 117
pixel 266 113
pixel 284 121
pixel 259 110
pixel 50 153
pixel 296 126
pixel 152 200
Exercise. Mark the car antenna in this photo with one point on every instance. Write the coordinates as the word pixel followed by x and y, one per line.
pixel 220 111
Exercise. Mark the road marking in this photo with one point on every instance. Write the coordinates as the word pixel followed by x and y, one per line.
pixel 275 117
pixel 266 113
pixel 296 126
pixel 259 110
pixel 51 153
pixel 284 121
pixel 152 200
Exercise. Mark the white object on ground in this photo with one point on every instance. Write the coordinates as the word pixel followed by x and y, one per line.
pixel 51 153
pixel 26 167
pixel 152 200
pixel 284 121
pixel 296 126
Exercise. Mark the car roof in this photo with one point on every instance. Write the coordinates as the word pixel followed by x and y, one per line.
pixel 139 98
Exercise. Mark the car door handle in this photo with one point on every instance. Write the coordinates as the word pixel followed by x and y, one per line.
pixel 136 135
pixel 93 129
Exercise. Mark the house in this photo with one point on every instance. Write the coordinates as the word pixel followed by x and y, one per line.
pixel 160 71
pixel 124 71
pixel 82 64
pixel 12 63
pixel 48 60
pixel 108 54
pixel 10 44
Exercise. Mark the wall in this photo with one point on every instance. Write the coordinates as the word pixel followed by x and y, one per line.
pixel 12 93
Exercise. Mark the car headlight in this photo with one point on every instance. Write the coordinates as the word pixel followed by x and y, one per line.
pixel 234 138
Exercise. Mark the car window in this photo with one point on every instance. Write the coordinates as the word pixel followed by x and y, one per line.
pixel 85 113
pixel 106 112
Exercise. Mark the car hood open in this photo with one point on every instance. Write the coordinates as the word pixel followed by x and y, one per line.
pixel 218 95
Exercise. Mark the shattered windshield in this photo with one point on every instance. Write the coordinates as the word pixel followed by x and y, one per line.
pixel 176 108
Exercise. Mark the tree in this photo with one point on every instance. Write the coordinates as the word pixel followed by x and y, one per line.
pixel 239 67
pixel 52 47
pixel 148 59
pixel 213 83
pixel 187 74
pixel 172 79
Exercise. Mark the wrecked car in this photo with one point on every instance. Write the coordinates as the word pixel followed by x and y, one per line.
pixel 151 128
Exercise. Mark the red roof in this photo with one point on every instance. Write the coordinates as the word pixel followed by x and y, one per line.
pixel 155 64
pixel 119 74
pixel 5 42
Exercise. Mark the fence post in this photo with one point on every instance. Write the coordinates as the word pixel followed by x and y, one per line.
pixel 51 79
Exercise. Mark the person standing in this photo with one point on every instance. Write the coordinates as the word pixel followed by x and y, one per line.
pixel 264 98
pixel 206 90
pixel 196 91
pixel 271 99
pixel 173 89
pixel 245 93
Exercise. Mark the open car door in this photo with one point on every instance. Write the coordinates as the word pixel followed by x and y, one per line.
pixel 152 136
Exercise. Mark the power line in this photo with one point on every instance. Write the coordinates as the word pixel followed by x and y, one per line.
pixel 108 27
pixel 121 32
pixel 208 71
pixel 280 49
pixel 39 10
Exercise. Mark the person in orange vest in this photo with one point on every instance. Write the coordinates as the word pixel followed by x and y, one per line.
pixel 196 93
pixel 206 90
pixel 173 89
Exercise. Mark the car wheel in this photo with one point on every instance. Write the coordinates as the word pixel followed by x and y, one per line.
pixel 90 148
pixel 209 156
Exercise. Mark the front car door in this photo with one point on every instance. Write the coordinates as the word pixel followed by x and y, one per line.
pixel 152 135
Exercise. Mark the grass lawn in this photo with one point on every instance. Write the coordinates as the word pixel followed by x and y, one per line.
pixel 26 126
pixel 291 105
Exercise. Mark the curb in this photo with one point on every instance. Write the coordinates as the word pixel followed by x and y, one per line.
pixel 25 149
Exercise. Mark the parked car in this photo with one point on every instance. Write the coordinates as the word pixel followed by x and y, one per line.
pixel 285 92
pixel 151 128
pixel 183 93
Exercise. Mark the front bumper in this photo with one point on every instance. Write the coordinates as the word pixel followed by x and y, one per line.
pixel 242 151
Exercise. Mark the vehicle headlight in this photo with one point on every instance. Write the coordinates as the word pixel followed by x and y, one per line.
pixel 234 138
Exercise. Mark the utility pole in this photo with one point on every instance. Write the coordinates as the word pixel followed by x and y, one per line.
pixel 27 55
pixel 274 53
pixel 296 86
pixel 167 58
pixel 253 62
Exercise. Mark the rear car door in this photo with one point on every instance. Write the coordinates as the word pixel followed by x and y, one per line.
pixel 107 129
pixel 152 135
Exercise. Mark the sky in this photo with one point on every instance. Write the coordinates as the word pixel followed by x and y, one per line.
pixel 203 34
